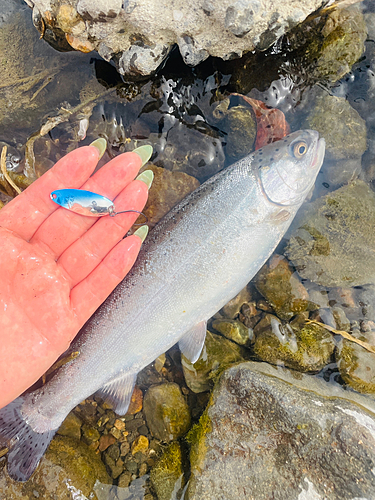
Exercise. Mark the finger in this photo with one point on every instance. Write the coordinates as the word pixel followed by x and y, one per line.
pixel 87 296
pixel 63 227
pixel 29 210
pixel 85 254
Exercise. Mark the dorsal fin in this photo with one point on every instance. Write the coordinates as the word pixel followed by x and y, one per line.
pixel 191 344
pixel 119 391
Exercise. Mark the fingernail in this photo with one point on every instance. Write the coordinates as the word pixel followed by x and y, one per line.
pixel 147 177
pixel 142 232
pixel 101 145
pixel 144 152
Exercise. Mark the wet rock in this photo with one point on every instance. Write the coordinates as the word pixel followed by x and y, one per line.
pixel 136 402
pixel 331 43
pixel 347 139
pixel 141 444
pixel 196 150
pixel 68 468
pixel 166 476
pixel 234 330
pixel 217 353
pixel 356 364
pixel 168 188
pixel 71 426
pixel 303 347
pixel 333 240
pixel 166 412
pixel 233 307
pixel 282 288
pixel 105 441
pixel 241 125
pixel 295 443
pixel 139 35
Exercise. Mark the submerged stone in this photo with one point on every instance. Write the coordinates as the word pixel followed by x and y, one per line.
pixel 71 426
pixel 262 438
pixel 299 345
pixel 241 126
pixel 168 188
pixel 347 139
pixel 234 330
pixel 282 288
pixel 68 470
pixel 166 411
pixel 333 239
pixel 356 364
pixel 167 474
pixel 218 352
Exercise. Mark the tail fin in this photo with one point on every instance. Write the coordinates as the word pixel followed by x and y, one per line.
pixel 26 446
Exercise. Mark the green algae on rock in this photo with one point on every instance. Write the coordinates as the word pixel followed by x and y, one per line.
pixel 69 469
pixel 241 126
pixel 329 44
pixel 297 345
pixel 166 411
pixel 333 239
pixel 167 474
pixel 356 365
pixel 234 330
pixel 282 288
pixel 218 352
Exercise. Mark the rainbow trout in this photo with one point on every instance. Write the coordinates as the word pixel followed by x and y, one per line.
pixel 195 260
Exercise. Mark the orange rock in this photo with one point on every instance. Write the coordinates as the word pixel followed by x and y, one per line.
pixel 78 44
pixel 136 402
pixel 106 441
pixel 140 444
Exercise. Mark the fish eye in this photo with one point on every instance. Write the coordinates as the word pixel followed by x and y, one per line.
pixel 299 149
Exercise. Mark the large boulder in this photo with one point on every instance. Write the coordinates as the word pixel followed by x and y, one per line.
pixel 138 34
pixel 262 437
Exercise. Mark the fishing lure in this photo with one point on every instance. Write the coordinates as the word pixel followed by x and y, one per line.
pixel 86 203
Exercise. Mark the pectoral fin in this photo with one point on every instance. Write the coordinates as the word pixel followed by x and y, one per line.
pixel 119 391
pixel 191 344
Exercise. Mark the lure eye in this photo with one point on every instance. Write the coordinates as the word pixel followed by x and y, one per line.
pixel 299 149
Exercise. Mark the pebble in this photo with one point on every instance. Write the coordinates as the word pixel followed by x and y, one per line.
pixel 105 441
pixel 140 444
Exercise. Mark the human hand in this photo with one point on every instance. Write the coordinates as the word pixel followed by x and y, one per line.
pixel 57 267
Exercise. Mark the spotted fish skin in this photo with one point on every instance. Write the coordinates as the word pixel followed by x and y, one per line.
pixel 195 260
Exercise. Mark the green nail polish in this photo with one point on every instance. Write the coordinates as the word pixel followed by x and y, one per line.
pixel 147 177
pixel 144 152
pixel 101 145
pixel 142 232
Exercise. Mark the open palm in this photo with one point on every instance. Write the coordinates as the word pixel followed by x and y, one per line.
pixel 57 267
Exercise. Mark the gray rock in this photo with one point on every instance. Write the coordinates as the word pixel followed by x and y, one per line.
pixel 333 239
pixel 263 438
pixel 138 34
pixel 347 139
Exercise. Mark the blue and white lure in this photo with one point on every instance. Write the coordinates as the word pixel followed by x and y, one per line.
pixel 86 203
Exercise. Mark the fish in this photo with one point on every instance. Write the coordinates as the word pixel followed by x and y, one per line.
pixel 199 256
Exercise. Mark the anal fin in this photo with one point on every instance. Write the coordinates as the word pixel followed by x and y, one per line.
pixel 118 391
pixel 191 344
